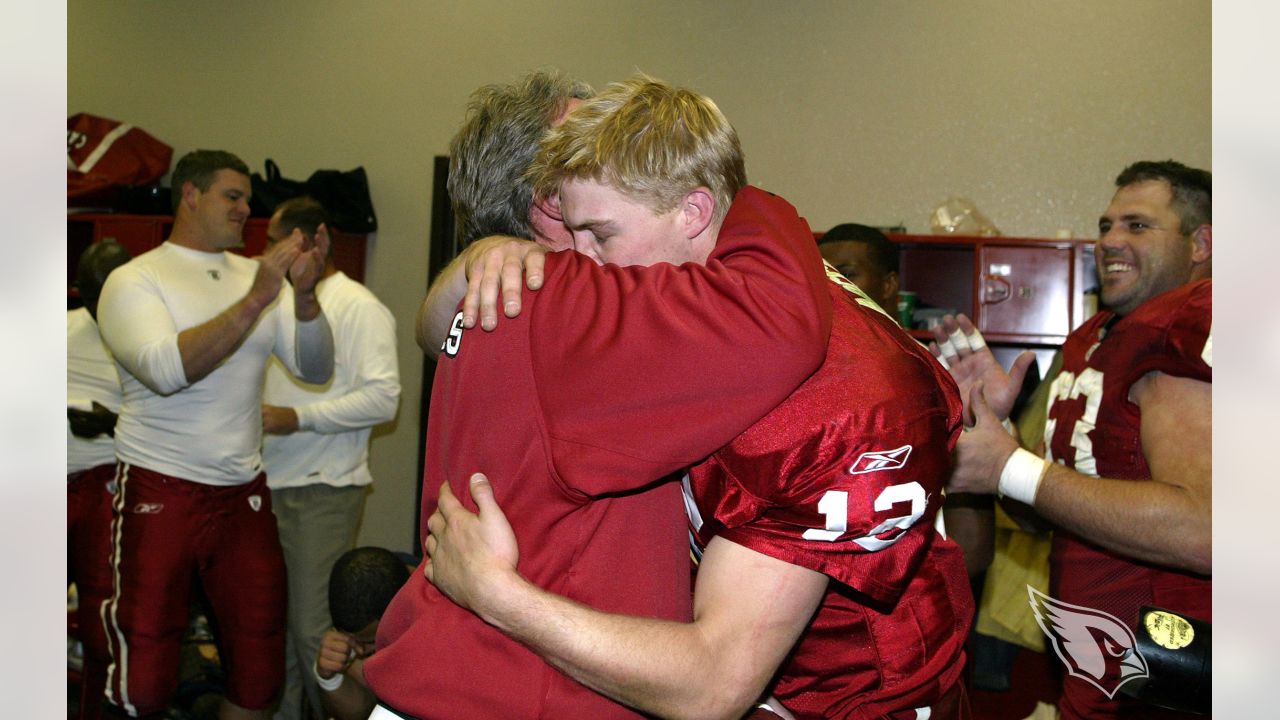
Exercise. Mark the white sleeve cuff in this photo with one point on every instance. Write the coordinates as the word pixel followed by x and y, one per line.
pixel 330 684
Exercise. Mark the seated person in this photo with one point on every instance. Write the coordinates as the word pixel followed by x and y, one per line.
pixel 361 585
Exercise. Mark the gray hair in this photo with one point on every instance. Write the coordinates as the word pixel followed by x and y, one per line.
pixel 496 144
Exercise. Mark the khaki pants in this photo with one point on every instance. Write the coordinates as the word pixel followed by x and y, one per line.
pixel 318 524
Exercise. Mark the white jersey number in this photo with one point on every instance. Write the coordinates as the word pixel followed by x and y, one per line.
pixel 1067 386
pixel 834 506
pixel 453 341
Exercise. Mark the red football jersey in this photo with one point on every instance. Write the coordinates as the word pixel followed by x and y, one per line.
pixel 846 478
pixel 610 379
pixel 1093 428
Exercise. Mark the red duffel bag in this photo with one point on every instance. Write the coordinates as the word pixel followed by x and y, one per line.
pixel 103 155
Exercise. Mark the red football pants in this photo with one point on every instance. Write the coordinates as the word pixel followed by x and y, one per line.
pixel 163 529
pixel 89 495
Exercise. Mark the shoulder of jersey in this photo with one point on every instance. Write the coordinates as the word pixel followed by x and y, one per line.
pixel 1188 305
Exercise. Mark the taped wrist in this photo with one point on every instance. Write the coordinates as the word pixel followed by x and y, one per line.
pixel 1020 479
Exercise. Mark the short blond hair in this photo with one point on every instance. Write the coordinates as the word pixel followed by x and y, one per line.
pixel 651 141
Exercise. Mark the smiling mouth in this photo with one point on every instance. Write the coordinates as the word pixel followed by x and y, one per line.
pixel 1112 268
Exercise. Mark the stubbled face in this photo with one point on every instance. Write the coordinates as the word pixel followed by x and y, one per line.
pixel 222 210
pixel 1142 250
pixel 609 227
pixel 853 260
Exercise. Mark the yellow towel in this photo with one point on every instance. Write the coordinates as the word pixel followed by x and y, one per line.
pixel 1021 559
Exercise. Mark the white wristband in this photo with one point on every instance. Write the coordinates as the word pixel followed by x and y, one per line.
pixel 330 684
pixel 1021 476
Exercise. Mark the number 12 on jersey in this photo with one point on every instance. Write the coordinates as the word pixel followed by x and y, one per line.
pixel 834 506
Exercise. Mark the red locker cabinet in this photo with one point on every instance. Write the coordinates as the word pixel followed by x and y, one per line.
pixel 1020 291
pixel 140 233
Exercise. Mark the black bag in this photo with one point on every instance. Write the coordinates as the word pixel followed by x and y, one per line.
pixel 345 196
pixel 272 190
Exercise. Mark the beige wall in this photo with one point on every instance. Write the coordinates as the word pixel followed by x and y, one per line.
pixel 874 111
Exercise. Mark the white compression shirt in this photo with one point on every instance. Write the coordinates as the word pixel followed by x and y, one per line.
pixel 209 431
pixel 331 445
pixel 91 376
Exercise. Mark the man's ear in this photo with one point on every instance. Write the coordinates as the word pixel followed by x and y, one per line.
pixel 699 208
pixel 189 194
pixel 891 287
pixel 549 206
pixel 1202 244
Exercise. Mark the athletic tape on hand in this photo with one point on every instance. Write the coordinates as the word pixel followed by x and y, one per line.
pixel 1021 476
pixel 959 340
pixel 976 341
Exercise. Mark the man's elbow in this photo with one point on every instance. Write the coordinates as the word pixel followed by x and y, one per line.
pixel 810 343
pixel 727 695
pixel 316 373
pixel 388 403
pixel 422 332
pixel 159 368
pixel 1196 555
pixel 720 706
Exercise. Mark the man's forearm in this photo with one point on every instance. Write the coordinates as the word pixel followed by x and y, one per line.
pixel 313 342
pixel 1146 520
pixel 306 306
pixel 205 346
pixel 660 667
pixel 351 701
pixel 437 310
pixel 364 407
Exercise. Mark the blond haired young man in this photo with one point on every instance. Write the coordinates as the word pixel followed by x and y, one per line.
pixel 822 577
pixel 575 401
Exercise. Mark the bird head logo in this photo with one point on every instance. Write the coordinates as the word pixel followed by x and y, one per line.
pixel 1093 645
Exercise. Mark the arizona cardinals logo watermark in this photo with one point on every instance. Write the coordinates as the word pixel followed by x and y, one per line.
pixel 255 502
pixel 1094 646
pixel 880 460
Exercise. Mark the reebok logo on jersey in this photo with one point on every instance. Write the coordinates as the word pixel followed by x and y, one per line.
pixel 880 460
pixel 148 508
pixel 255 502
pixel 215 274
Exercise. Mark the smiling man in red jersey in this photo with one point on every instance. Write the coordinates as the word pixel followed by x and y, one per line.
pixel 1127 478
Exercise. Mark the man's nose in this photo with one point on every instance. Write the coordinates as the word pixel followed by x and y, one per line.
pixel 1113 237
